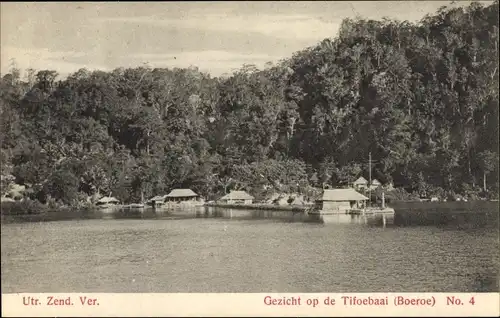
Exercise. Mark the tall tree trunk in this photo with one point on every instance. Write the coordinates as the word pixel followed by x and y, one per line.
pixel 147 142
pixel 469 170
pixel 484 181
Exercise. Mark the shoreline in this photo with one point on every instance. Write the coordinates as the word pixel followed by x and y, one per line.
pixel 404 213
pixel 261 206
pixel 30 207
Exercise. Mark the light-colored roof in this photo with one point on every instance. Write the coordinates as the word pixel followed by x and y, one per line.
pixel 361 180
pixel 237 195
pixel 158 198
pixel 342 195
pixel 176 193
pixel 375 181
pixel 108 200
pixel 5 199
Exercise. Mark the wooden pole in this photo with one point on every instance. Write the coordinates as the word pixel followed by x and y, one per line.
pixel 370 177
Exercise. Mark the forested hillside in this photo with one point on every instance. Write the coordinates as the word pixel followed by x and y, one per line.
pixel 422 98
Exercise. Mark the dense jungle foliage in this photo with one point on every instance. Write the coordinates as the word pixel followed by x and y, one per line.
pixel 422 98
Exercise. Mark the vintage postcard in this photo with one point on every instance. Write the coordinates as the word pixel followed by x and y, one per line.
pixel 279 158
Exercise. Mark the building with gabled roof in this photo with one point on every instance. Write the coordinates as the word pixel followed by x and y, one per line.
pixel 182 193
pixel 360 181
pixel 340 200
pixel 237 197
pixel 157 200
pixel 375 184
pixel 187 196
pixel 360 184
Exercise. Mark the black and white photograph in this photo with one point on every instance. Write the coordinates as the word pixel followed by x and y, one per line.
pixel 249 147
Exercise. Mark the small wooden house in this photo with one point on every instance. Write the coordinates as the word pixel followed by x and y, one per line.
pixel 340 200
pixel 375 184
pixel 157 201
pixel 360 183
pixel 237 197
pixel 182 196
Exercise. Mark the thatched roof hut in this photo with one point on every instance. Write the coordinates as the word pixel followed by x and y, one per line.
pixel 237 197
pixel 360 181
pixel 157 198
pixel 181 193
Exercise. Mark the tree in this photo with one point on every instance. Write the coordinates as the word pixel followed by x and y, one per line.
pixel 488 162
pixel 421 97
pixel 6 177
pixel 63 186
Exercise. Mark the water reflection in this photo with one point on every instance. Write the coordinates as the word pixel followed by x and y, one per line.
pixel 402 217
pixel 131 255
pixel 128 254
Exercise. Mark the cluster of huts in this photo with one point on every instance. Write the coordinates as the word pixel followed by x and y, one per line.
pixel 330 198
pixel 189 197
pixel 335 198
pixel 361 184
pixel 176 196
pixel 183 197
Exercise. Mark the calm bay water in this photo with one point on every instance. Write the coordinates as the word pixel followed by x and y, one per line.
pixel 228 255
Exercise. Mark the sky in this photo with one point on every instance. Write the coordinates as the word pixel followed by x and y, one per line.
pixel 217 37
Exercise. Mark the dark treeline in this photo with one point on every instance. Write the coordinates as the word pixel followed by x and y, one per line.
pixel 421 98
